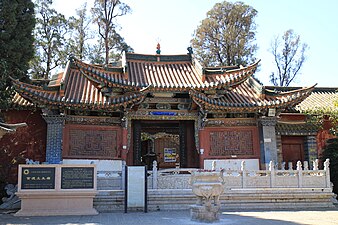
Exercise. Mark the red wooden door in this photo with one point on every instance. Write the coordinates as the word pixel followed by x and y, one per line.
pixel 293 150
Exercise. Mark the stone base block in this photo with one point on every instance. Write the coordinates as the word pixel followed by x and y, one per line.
pixel 49 203
pixel 203 213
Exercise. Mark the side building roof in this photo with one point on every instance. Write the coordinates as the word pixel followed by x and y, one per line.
pixel 320 97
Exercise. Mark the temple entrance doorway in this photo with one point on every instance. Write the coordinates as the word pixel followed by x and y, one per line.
pixel 170 143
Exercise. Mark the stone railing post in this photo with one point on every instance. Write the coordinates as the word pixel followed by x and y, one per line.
pixel 315 164
pixel 290 165
pixel 55 125
pixel 213 165
pixel 283 166
pixel 154 174
pixel 306 165
pixel 327 172
pixel 243 171
pixel 300 174
pixel 272 174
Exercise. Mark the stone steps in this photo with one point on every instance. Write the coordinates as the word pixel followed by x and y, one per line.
pixel 109 201
pixel 182 199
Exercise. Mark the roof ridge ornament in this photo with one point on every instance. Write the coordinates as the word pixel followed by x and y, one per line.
pixel 158 47
pixel 190 51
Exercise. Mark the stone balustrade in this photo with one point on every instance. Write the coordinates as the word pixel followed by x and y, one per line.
pixel 302 177
pixel 245 188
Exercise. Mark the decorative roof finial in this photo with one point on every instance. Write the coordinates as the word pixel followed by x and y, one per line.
pixel 190 52
pixel 158 47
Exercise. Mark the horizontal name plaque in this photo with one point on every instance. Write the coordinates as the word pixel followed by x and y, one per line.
pixel 38 178
pixel 157 113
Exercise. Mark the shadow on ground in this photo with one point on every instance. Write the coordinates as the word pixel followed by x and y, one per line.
pixel 323 217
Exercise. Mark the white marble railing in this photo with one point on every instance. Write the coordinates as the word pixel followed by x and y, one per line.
pixel 302 177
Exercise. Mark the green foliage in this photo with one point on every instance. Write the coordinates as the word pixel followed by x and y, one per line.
pixel 6 91
pixel 226 36
pixel 80 34
pixel 321 115
pixel 331 152
pixel 105 13
pixel 50 31
pixel 16 40
pixel 96 53
pixel 289 56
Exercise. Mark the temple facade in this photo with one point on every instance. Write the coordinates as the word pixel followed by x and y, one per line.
pixel 170 109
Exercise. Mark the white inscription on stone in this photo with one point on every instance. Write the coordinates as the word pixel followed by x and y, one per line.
pixel 267 140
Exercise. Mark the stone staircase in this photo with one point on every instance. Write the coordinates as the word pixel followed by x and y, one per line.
pixel 235 199
pixel 110 197
pixel 109 201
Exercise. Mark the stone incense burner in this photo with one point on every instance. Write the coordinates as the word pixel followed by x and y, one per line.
pixel 207 185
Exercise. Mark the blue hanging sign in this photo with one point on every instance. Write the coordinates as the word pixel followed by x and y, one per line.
pixel 163 113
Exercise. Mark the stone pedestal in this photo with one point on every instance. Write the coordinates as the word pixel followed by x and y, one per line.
pixel 204 213
pixel 49 190
pixel 208 187
pixel 51 203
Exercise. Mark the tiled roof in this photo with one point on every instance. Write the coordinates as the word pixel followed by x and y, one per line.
pixel 246 98
pixel 321 97
pixel 79 93
pixel 19 102
pixel 160 72
pixel 295 128
pixel 168 75
pixel 56 80
pixel 112 77
pixel 85 86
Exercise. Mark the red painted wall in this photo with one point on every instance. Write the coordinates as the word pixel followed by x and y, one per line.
pixel 108 149
pixel 26 142
pixel 322 134
pixel 205 144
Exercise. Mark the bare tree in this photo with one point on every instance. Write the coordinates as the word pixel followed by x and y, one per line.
pixel 289 56
pixel 105 13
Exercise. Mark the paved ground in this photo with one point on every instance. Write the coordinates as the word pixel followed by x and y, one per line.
pixel 318 217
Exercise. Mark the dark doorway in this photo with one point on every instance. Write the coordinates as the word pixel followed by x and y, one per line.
pixel 163 141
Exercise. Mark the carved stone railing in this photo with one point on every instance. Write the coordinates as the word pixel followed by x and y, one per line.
pixel 171 178
pixel 178 178
pixel 302 177
pixel 109 180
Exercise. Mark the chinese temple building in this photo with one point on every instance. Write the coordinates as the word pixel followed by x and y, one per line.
pixel 297 139
pixel 170 109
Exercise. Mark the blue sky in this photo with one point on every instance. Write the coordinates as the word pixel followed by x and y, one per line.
pixel 172 23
